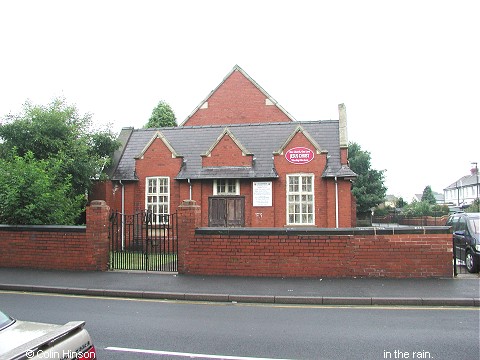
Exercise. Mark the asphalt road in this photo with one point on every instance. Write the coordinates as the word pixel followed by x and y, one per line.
pixel 140 329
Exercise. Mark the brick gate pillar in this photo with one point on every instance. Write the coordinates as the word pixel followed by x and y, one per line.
pixel 189 218
pixel 97 234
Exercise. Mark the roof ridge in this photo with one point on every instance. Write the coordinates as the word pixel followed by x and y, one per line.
pixel 223 126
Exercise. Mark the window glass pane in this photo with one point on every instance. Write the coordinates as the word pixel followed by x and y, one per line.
pixel 152 186
pixel 158 196
pixel 291 208
pixel 293 183
pixel 227 187
pixel 306 184
pixel 300 209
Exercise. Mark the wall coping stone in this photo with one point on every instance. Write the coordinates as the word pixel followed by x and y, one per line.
pixel 44 228
pixel 324 231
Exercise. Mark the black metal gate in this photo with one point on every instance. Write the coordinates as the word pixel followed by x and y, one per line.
pixel 143 241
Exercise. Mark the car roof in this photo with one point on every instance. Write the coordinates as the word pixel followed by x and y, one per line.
pixel 469 215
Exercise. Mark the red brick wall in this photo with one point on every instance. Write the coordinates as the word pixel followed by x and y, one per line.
pixel 237 101
pixel 253 252
pixel 263 216
pixel 346 202
pixel 58 247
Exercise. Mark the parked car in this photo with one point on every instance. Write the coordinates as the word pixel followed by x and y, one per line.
pixel 466 238
pixel 21 340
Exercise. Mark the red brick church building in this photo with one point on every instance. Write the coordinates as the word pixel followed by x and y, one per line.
pixel 244 160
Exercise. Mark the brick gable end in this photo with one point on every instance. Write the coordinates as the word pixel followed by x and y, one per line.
pixel 237 101
pixel 226 153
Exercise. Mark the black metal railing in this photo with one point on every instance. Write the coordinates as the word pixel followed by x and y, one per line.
pixel 143 241
pixel 400 219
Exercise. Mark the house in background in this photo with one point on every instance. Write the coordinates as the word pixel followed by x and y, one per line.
pixel 243 159
pixel 390 201
pixel 439 198
pixel 464 191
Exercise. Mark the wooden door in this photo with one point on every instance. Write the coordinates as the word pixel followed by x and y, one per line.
pixel 226 211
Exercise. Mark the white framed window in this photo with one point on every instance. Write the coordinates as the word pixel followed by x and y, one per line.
pixel 157 197
pixel 226 187
pixel 300 199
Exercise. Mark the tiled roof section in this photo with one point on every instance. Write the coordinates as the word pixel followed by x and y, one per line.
pixel 466 180
pixel 343 172
pixel 260 139
pixel 123 138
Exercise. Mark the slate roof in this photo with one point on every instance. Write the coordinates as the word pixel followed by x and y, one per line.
pixel 467 180
pixel 262 140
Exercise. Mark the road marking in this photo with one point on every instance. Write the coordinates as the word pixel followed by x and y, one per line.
pixel 190 355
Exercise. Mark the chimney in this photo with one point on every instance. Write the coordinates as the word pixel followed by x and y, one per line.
pixel 342 125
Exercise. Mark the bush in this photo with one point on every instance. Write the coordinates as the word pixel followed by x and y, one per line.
pixel 474 207
pixel 34 194
pixel 424 208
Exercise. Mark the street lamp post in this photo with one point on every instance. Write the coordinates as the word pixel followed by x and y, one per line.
pixel 476 172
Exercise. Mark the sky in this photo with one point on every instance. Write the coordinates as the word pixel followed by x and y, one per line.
pixel 407 71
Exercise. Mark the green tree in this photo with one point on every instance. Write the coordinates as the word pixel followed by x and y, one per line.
pixel 34 192
pixel 57 133
pixel 162 116
pixel 368 188
pixel 401 203
pixel 428 195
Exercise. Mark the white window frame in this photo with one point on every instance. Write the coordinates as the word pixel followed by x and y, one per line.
pixel 228 183
pixel 157 193
pixel 300 193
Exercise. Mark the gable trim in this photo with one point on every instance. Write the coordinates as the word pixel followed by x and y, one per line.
pixel 204 103
pixel 158 135
pixel 300 129
pixel 227 132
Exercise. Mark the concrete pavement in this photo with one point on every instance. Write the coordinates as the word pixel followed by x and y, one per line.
pixel 462 291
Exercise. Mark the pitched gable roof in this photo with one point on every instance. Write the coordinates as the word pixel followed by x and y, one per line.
pixel 227 132
pixel 158 135
pixel 301 130
pixel 261 140
pixel 237 99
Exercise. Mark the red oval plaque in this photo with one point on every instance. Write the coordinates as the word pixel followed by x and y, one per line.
pixel 299 155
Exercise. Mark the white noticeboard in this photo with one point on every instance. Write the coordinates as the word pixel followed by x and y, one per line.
pixel 262 193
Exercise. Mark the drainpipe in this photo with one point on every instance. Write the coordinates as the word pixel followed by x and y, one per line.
pixel 123 215
pixel 336 203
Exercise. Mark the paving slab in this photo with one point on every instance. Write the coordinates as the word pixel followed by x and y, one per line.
pixel 463 291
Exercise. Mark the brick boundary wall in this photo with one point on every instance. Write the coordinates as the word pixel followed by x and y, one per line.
pixel 54 247
pixel 410 252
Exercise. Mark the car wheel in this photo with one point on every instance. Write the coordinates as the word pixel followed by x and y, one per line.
pixel 470 262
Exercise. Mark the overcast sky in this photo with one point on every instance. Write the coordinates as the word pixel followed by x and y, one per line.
pixel 407 71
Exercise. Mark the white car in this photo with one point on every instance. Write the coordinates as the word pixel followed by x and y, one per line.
pixel 21 340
